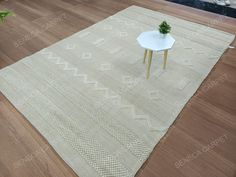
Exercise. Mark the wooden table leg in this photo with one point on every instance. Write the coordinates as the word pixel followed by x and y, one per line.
pixel 145 55
pixel 165 58
pixel 149 63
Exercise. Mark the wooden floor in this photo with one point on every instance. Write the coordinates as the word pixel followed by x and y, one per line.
pixel 202 141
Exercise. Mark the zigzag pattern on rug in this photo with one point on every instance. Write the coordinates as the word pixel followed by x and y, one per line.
pixel 118 99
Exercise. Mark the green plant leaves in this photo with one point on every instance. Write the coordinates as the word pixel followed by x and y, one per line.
pixel 164 27
pixel 4 14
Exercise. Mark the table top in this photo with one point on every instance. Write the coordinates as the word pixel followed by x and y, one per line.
pixel 153 40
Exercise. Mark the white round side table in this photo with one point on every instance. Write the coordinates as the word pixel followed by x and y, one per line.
pixel 154 41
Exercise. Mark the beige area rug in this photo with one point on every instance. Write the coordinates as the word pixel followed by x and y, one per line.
pixel 88 96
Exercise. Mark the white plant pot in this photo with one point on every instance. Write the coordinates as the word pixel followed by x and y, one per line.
pixel 163 35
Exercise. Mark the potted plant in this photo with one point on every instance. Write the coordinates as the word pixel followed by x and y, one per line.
pixel 4 14
pixel 164 29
